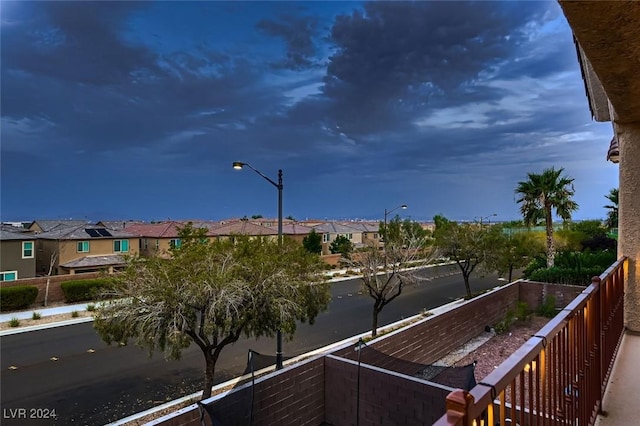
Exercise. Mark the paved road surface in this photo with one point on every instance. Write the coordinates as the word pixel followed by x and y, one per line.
pixel 70 370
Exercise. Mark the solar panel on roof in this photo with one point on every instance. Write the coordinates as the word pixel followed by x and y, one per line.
pixel 92 232
pixel 104 232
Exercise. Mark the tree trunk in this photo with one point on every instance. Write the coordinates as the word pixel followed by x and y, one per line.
pixel 465 275
pixel 374 324
pixel 510 272
pixel 551 252
pixel 210 368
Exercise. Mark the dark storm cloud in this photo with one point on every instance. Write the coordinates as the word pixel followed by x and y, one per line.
pixel 73 41
pixel 67 72
pixel 298 33
pixel 394 58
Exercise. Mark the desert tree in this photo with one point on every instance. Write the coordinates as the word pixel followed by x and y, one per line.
pixel 313 242
pixel 540 195
pixel 514 251
pixel 342 245
pixel 469 245
pixel 210 293
pixel 384 273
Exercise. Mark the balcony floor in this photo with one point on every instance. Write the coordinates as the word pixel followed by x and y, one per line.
pixel 620 401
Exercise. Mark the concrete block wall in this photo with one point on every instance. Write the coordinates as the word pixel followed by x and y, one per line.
pixel 432 338
pixel 55 291
pixel 386 397
pixel 292 396
pixel 533 293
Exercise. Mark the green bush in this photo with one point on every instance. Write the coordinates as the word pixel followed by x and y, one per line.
pixel 523 313
pixel 548 307
pixel 18 297
pixel 14 322
pixel 83 290
pixel 505 325
pixel 566 276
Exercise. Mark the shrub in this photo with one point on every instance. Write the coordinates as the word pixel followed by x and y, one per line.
pixel 566 276
pixel 74 314
pixel 523 313
pixel 505 325
pixel 91 307
pixel 18 297
pixel 548 307
pixel 83 290
pixel 36 316
pixel 15 322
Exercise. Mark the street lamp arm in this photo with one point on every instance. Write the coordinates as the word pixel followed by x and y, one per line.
pixel 401 206
pixel 239 165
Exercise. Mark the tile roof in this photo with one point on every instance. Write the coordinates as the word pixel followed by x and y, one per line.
pixel 95 261
pixel 8 232
pixel 243 227
pixel 80 233
pixel 50 225
pixel 155 230
pixel 335 228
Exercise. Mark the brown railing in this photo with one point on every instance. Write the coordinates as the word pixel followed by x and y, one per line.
pixel 559 375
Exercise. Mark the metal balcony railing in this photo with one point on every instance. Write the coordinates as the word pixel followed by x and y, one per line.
pixel 559 375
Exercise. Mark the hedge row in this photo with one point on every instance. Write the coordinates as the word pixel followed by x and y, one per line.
pixel 18 297
pixel 565 275
pixel 84 290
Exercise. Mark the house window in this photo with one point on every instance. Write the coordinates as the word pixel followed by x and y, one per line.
pixel 83 247
pixel 9 276
pixel 350 236
pixel 121 246
pixel 27 249
pixel 157 244
pixel 375 236
pixel 175 243
pixel 145 244
pixel 325 238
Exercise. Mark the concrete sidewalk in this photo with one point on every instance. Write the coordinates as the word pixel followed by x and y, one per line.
pixel 54 310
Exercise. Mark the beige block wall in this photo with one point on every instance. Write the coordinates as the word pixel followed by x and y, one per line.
pixel 629 218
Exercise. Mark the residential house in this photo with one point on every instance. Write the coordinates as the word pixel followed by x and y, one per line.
pixel 332 230
pixel 17 253
pixel 370 232
pixel 156 238
pixel 83 248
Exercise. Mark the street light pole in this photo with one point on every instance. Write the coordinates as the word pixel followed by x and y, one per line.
pixel 487 217
pixel 238 166
pixel 386 231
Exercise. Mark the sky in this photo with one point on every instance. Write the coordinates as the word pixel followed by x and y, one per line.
pixel 137 110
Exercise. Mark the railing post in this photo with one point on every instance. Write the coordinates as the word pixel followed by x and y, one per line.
pixel 458 403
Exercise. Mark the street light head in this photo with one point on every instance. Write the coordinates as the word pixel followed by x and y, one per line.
pixel 237 165
pixel 404 206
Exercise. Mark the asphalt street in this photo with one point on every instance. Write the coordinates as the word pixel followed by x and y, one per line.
pixel 69 371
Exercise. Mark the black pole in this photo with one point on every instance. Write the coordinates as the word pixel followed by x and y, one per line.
pixel 360 342
pixel 279 333
pixel 384 245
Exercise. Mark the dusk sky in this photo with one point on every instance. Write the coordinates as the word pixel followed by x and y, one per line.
pixel 137 110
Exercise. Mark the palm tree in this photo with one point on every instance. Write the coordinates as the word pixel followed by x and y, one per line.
pixel 612 214
pixel 540 195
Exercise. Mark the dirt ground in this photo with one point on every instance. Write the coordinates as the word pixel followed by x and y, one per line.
pixel 498 348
